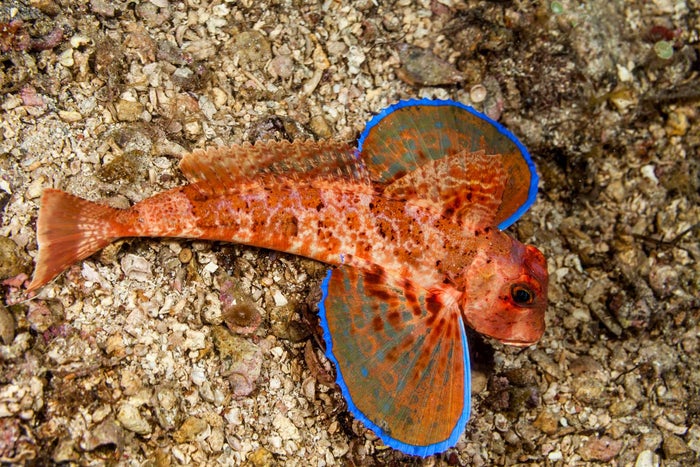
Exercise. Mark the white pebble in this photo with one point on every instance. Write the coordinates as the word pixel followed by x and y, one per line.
pixel 36 188
pixel 623 74
pixel 280 299
pixel 285 427
pixel 198 375
pixel 195 340
pixel 646 459
pixel 275 442
pixel 66 58
pixel 356 57
pixel 78 41
pixel 136 267
pixel 211 267
pixel 131 419
pixel 275 383
pixel 91 274
pixel 648 172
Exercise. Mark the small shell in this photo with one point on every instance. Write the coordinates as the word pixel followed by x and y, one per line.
pixel 136 267
pixel 478 93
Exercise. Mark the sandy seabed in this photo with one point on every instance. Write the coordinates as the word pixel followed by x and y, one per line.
pixel 128 359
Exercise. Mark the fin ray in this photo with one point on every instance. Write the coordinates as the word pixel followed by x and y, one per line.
pixel 467 187
pixel 401 356
pixel 409 134
pixel 69 229
pixel 215 170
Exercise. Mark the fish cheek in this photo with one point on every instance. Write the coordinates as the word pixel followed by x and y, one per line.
pixel 488 314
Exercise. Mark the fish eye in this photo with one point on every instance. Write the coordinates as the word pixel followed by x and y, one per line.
pixel 522 294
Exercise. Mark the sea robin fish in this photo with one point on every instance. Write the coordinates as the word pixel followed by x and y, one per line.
pixel 411 223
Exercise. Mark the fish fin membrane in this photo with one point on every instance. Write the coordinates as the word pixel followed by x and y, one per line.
pixel 215 171
pixel 401 356
pixel 407 135
pixel 466 187
pixel 69 229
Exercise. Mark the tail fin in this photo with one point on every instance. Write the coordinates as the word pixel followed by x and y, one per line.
pixel 69 229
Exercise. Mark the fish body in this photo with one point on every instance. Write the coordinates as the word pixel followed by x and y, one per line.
pixel 411 226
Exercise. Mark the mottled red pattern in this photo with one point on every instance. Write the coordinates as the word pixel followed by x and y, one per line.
pixel 411 381
pixel 327 210
pixel 417 254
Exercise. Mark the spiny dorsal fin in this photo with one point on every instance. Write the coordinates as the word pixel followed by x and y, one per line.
pixel 466 187
pixel 409 134
pixel 215 170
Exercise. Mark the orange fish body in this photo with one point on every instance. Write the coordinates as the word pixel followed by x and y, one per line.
pixel 415 242
pixel 335 221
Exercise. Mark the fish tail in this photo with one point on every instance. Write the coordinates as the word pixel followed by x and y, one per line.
pixel 69 229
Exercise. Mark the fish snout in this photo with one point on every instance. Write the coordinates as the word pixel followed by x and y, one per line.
pixel 526 332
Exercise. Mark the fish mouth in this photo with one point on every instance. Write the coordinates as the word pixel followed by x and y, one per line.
pixel 522 343
pixel 517 343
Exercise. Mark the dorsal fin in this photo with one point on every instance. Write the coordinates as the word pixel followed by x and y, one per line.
pixel 466 187
pixel 409 134
pixel 214 170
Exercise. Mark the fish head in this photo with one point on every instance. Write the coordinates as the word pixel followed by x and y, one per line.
pixel 505 292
